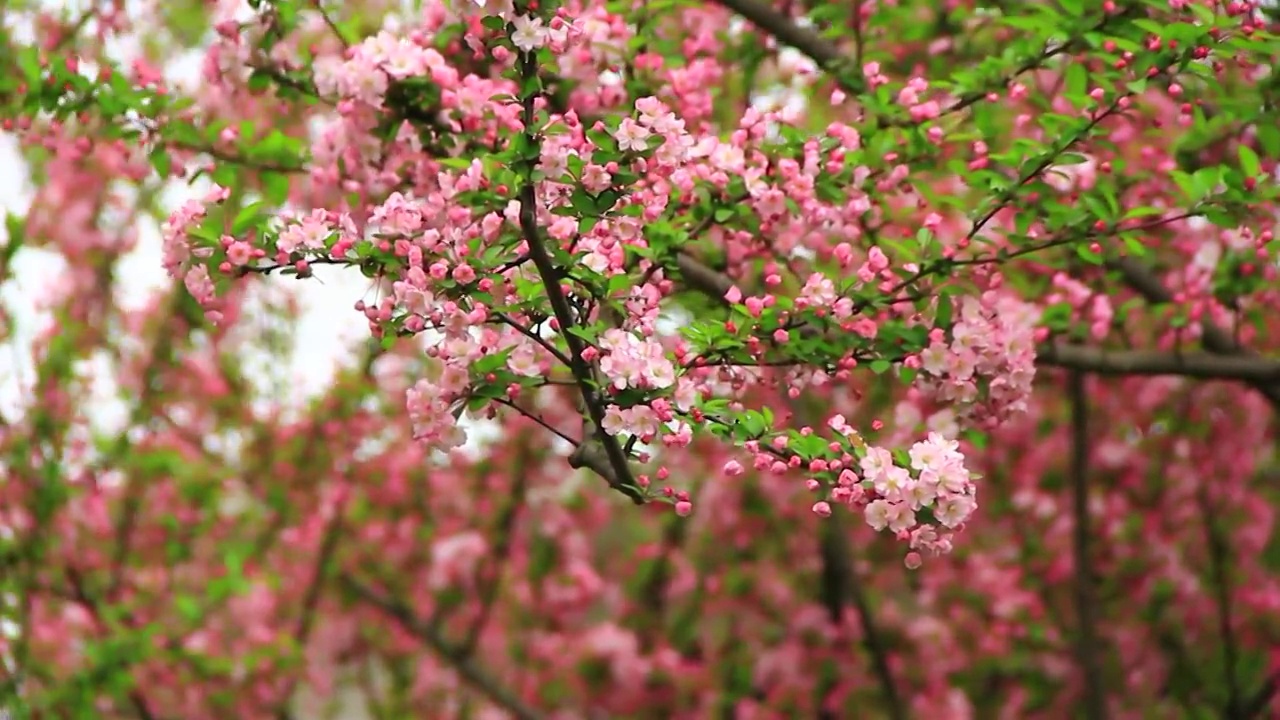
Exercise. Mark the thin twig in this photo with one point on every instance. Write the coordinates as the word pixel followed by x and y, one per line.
pixel 546 345
pixel 337 31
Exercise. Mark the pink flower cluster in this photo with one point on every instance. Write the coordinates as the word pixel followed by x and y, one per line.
pixel 370 67
pixel 179 247
pixel 986 368
pixel 629 361
pixel 900 499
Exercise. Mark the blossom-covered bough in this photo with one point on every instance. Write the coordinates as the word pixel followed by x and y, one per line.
pixel 959 269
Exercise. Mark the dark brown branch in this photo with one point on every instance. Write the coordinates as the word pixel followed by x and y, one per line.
pixel 840 586
pixel 1087 646
pixel 1155 362
pixel 763 16
pixel 1261 700
pixel 1249 368
pixel 619 471
pixel 1219 554
pixel 1215 339
pixel 466 668
pixel 831 59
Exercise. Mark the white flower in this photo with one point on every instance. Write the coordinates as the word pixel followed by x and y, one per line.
pixel 597 262
pixel 877 514
pixel 891 482
pixel 631 136
pixel 953 510
pixel 523 361
pixel 529 34
pixel 614 422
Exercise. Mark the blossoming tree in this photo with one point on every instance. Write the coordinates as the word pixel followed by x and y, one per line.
pixel 850 359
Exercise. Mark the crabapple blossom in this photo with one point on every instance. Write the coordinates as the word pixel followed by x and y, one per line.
pixel 748 359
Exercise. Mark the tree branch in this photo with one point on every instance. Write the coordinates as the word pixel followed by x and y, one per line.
pixel 831 59
pixel 1215 339
pixel 841 585
pixel 466 668
pixel 1260 700
pixel 1249 368
pixel 1219 559
pixel 813 45
pixel 1095 700
pixel 619 475
pixel 1154 362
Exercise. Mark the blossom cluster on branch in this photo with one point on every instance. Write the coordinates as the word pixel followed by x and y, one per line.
pixel 839 287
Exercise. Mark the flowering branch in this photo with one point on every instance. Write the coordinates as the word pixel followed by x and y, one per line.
pixel 619 472
pixel 1251 369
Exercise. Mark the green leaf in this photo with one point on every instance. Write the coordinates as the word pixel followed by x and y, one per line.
pixel 188 608
pixel 943 319
pixel 29 61
pixel 582 201
pixel 1077 82
pixel 162 163
pixel 879 367
pixel 247 216
pixel 15 227
pixel 1135 246
pixel 1269 139
pixel 1249 162
pixel 275 187
pixel 1186 184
